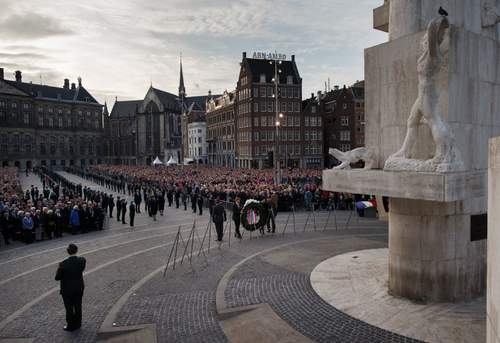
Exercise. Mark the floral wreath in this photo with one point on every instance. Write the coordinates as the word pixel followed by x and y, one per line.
pixel 252 210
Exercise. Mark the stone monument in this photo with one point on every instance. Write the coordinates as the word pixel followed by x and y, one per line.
pixel 432 101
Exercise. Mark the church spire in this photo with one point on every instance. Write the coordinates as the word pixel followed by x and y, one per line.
pixel 182 89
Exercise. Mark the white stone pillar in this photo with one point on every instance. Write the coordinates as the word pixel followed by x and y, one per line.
pixel 404 18
pixel 431 255
pixel 493 283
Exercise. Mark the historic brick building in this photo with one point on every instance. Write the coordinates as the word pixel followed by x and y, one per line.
pixel 47 125
pixel 343 112
pixel 256 117
pixel 221 130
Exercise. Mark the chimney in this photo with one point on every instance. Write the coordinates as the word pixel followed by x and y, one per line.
pixel 244 54
pixel 293 58
pixel 336 87
pixel 19 77
pixel 319 95
pixel 1 73
pixel 79 81
pixel 66 84
pixel 73 86
pixel 312 95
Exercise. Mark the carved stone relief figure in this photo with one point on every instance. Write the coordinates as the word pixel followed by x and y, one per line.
pixel 353 156
pixel 426 109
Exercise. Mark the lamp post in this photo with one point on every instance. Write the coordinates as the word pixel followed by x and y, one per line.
pixel 278 116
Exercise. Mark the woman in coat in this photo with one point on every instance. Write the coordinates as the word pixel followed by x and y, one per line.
pixel 74 220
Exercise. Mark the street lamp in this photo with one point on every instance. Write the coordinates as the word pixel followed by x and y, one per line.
pixel 277 117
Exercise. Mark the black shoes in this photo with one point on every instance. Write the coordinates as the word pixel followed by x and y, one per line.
pixel 69 328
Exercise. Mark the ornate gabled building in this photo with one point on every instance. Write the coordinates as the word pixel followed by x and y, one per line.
pixel 256 114
pixel 47 125
pixel 221 130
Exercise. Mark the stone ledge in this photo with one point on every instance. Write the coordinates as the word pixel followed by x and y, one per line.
pixel 443 187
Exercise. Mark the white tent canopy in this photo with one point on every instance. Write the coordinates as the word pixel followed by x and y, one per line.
pixel 157 161
pixel 171 161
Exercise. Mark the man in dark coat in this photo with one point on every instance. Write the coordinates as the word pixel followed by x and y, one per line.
pixel 70 274
pixel 118 208
pixel 137 201
pixel 124 210
pixel 200 203
pixel 219 217
pixel 131 213
pixel 111 205
pixel 237 217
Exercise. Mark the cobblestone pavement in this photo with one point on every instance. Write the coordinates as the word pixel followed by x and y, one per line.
pixel 269 279
pixel 182 304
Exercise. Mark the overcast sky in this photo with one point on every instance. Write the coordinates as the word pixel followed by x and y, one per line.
pixel 119 47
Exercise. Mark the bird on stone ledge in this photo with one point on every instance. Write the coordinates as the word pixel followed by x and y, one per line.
pixel 442 11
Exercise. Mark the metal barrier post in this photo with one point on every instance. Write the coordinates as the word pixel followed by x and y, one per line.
pixel 171 251
pixel 314 217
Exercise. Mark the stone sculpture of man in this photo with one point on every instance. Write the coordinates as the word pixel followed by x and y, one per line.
pixel 426 109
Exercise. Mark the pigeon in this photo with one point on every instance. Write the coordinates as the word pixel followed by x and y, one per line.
pixel 442 12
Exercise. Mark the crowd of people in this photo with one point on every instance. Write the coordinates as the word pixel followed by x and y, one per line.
pixel 63 206
pixel 60 206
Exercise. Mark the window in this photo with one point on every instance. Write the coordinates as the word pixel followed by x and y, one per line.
pixel 269 92
pixel 289 80
pixel 319 121
pixel 262 78
pixel 255 92
pixel 2 104
pixel 256 121
pixel 51 110
pixel 26 106
pixel 199 139
pixel 270 106
pixel 313 109
pixel 256 107
pixel 313 121
pixel 296 121
pixel 307 121
pixel 26 118
pixel 40 120
pixel 345 147
pixel 60 122
pixel 256 136
pixel 2 115
pixel 344 106
pixel 51 121
pixel 344 121
pixel 14 105
pixel 345 135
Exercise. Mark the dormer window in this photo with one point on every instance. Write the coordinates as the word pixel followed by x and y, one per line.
pixel 262 78
pixel 289 80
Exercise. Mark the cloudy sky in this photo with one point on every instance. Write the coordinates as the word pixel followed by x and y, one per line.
pixel 119 47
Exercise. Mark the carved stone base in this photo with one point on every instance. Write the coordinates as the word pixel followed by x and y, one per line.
pixel 431 165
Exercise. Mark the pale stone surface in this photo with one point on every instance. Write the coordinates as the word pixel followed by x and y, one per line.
pixel 353 156
pixel 469 97
pixel 356 283
pixel 410 185
pixel 432 257
pixel 427 109
pixel 493 279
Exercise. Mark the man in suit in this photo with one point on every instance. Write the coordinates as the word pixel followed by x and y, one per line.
pixel 70 274
pixel 124 210
pixel 118 208
pixel 131 213
pixel 111 205
pixel 219 217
